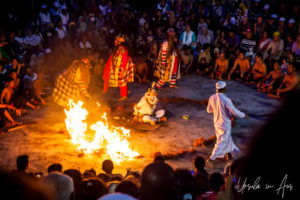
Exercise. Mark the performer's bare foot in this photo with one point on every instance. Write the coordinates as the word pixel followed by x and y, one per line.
pixel 174 86
pixel 122 98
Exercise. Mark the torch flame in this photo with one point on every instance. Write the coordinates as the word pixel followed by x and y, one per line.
pixel 113 140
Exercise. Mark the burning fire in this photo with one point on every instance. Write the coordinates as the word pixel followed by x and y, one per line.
pixel 113 140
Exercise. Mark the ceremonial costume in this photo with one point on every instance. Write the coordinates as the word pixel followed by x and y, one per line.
pixel 145 111
pixel 223 109
pixel 119 68
pixel 167 66
pixel 72 83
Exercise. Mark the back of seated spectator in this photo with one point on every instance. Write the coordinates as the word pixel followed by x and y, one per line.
pixel 158 182
pixel 14 186
pixel 77 178
pixel 128 187
pixel 92 189
pixel 199 164
pixel 187 185
pixel 60 185
pixel 104 177
pixel 216 183
pixel 23 163
pixel 55 167
pixel 107 167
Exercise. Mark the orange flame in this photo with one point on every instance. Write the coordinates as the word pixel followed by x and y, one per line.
pixel 113 140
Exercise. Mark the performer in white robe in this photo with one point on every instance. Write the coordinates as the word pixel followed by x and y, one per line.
pixel 223 109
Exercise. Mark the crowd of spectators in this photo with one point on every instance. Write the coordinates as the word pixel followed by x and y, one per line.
pixel 257 42
pixel 157 181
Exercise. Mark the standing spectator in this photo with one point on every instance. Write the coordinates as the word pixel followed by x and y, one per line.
pixel 188 37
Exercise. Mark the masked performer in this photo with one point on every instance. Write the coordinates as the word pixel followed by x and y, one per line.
pixel 72 83
pixel 144 111
pixel 119 68
pixel 167 66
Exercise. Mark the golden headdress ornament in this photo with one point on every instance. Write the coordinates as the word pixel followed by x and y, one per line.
pixel 152 90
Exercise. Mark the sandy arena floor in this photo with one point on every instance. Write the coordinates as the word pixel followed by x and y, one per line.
pixel 41 139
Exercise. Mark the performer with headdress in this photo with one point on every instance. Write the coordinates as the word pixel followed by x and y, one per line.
pixel 73 83
pixel 119 68
pixel 145 111
pixel 167 65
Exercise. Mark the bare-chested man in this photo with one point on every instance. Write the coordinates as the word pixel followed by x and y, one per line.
pixel 186 59
pixel 241 72
pixel 8 97
pixel 272 80
pixel 141 68
pixel 258 72
pixel 291 79
pixel 221 67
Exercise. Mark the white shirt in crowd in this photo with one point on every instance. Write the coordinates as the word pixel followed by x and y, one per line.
pixel 32 40
pixel 45 18
pixel 61 33
pixel 64 19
